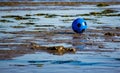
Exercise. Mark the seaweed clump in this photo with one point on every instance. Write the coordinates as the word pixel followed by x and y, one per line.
pixel 95 13
pixel 50 16
pixel 17 17
pixel 108 11
pixel 23 18
pixel 4 21
pixel 58 50
pixel 109 34
pixel 18 26
pixel 28 23
pixel 112 15
pixel 102 5
pixel 40 14
pixel 67 20
pixel 10 16
pixel 68 15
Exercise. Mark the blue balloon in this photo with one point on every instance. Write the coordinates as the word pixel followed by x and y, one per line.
pixel 79 25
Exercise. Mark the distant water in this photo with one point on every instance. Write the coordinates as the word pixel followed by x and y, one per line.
pixel 66 0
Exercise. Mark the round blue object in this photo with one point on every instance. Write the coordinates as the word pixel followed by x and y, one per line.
pixel 79 25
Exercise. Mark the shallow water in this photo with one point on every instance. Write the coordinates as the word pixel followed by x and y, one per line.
pixel 88 58
pixel 44 62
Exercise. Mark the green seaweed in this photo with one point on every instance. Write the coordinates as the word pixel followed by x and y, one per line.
pixel 4 21
pixel 68 15
pixel 88 19
pixel 91 13
pixel 38 65
pixel 46 15
pixel 95 13
pixel 105 12
pixel 23 18
pixel 10 16
pixel 67 20
pixel 18 26
pixel 62 26
pixel 109 34
pixel 44 26
pixel 102 5
pixel 108 11
pixel 99 23
pixel 28 15
pixel 40 14
pixel 20 65
pixel 28 23
pixel 50 16
pixel 83 15
pixel 17 17
pixel 112 15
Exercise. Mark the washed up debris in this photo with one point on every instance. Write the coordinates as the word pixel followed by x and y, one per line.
pixel 59 50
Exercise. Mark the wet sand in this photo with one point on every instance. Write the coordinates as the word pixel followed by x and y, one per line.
pixel 38 39
pixel 92 38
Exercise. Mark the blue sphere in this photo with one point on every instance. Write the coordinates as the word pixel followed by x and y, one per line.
pixel 79 25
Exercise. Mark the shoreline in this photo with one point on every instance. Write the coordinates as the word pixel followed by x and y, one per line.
pixel 53 3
